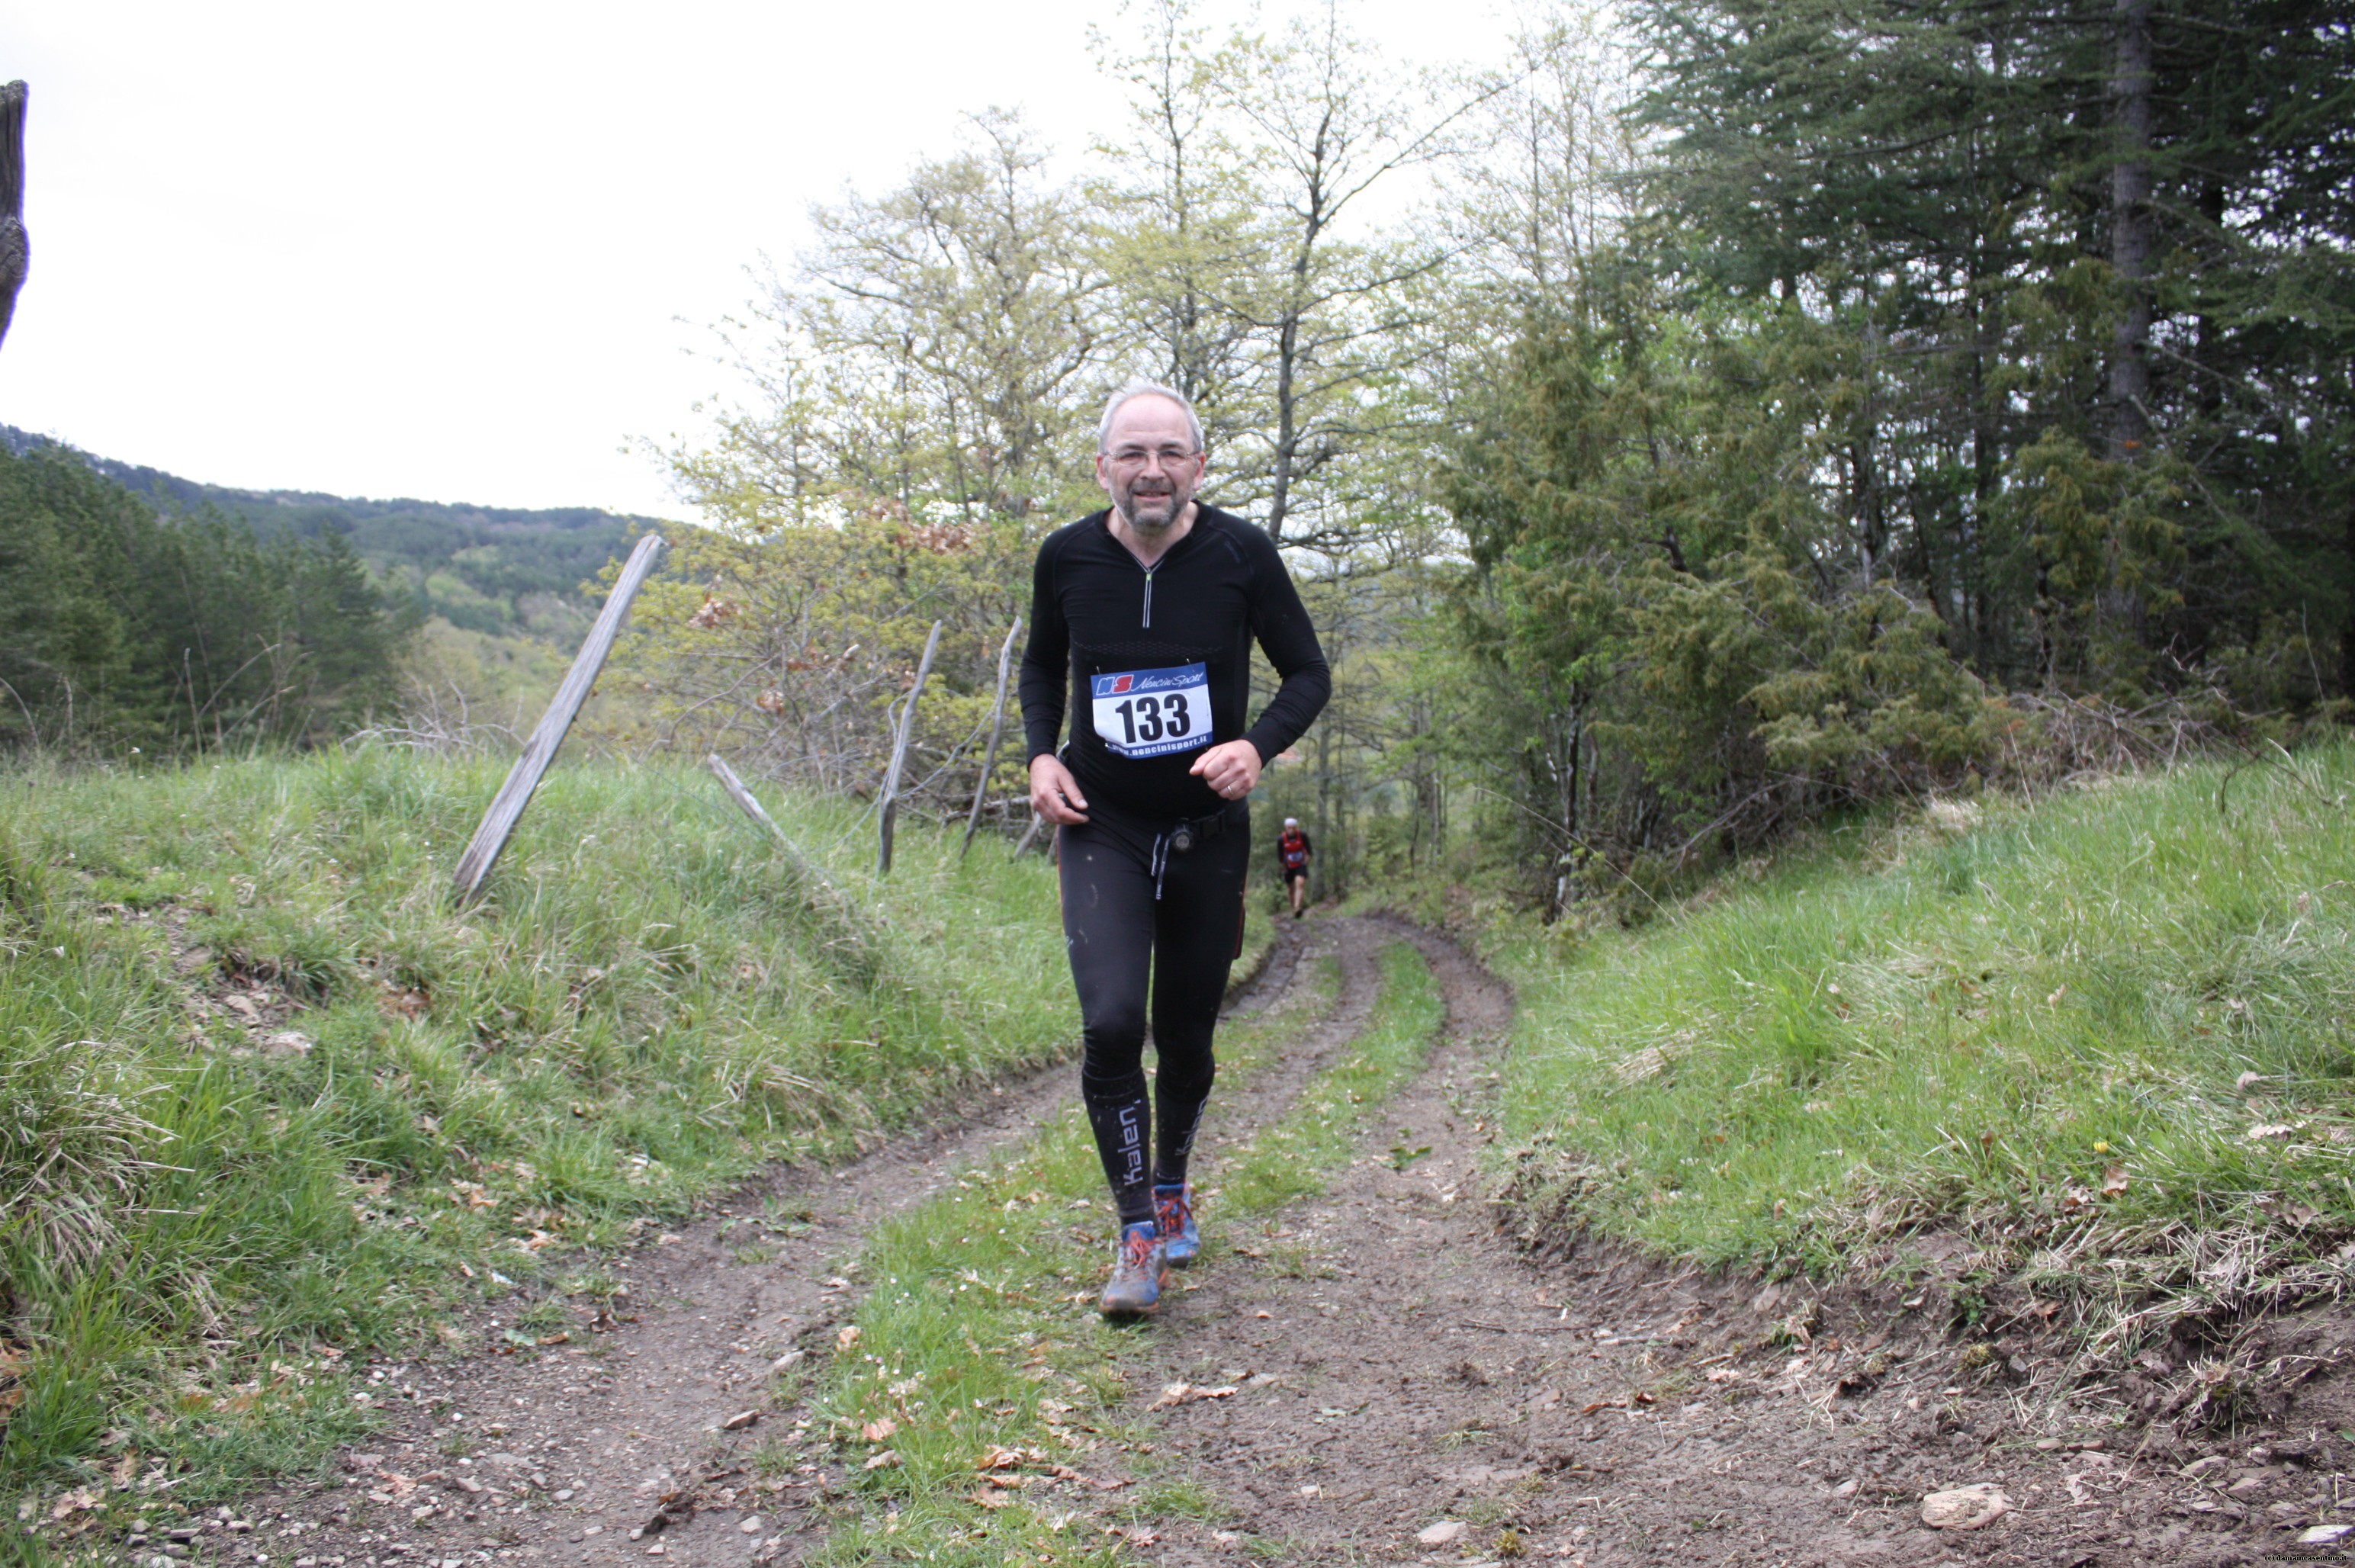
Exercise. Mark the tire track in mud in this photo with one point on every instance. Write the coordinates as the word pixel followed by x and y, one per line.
pixel 568 1452
pixel 1404 1369
pixel 1411 1370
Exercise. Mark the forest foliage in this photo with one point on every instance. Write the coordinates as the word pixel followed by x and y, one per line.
pixel 1714 414
pixel 124 630
pixel 490 571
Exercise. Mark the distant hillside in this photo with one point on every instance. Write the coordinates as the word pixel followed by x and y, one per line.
pixel 494 569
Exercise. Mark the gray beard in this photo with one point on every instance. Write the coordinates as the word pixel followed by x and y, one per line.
pixel 1154 529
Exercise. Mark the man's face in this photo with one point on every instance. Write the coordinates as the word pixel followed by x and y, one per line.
pixel 1149 465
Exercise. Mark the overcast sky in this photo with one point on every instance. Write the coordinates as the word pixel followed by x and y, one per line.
pixel 469 253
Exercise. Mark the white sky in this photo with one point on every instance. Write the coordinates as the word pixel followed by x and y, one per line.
pixel 467 253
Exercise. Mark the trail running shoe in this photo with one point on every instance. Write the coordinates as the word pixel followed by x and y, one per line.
pixel 1180 1239
pixel 1139 1269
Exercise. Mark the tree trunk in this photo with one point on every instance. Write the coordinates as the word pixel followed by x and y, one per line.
pixel 2130 230
pixel 2347 632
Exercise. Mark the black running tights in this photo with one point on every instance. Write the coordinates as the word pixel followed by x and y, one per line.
pixel 1119 935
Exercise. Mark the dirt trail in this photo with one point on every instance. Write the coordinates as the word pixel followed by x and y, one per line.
pixel 1402 1370
pixel 559 1456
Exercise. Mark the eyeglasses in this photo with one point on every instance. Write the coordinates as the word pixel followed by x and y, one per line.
pixel 1139 457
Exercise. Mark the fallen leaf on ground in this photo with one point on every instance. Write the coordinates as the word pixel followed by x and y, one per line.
pixel 877 1431
pixel 846 1336
pixel 740 1420
pixel 2113 1180
pixel 1186 1394
pixel 889 1456
pixel 988 1498
pixel 997 1459
pixel 1446 1532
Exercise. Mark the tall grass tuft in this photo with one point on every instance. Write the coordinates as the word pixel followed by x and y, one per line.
pixel 2108 1038
pixel 268 1100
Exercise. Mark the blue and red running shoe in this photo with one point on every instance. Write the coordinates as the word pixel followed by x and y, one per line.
pixel 1174 1207
pixel 1139 1269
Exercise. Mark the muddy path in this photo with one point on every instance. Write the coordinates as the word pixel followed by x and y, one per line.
pixel 1414 1389
pixel 636 1433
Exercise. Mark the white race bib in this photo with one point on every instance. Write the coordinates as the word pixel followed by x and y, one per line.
pixel 1153 712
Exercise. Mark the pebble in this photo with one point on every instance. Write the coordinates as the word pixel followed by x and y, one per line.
pixel 2325 1534
pixel 1446 1532
pixel 751 1524
pixel 740 1420
pixel 787 1361
pixel 1965 1508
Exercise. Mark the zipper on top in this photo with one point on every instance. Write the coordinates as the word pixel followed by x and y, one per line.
pixel 1148 595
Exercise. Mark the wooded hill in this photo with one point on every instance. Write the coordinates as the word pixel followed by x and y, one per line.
pixel 494 569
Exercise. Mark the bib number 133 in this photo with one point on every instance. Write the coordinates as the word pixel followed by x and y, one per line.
pixel 1152 712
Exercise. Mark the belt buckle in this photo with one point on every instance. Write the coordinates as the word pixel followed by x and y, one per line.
pixel 1181 838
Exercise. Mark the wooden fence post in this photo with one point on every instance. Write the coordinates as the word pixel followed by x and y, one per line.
pixel 507 806
pixel 16 253
pixel 900 754
pixel 996 726
pixel 1029 836
pixel 852 939
pixel 759 813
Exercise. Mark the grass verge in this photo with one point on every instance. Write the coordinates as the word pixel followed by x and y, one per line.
pixel 980 1385
pixel 267 1101
pixel 2109 1037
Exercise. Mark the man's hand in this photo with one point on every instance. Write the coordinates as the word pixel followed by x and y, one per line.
pixel 1232 769
pixel 1054 792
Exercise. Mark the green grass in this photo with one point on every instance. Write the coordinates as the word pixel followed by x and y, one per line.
pixel 197 1225
pixel 981 1332
pixel 2057 1029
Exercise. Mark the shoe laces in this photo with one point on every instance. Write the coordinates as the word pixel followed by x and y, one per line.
pixel 1136 1247
pixel 1173 1210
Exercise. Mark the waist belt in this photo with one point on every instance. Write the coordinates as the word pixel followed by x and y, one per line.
pixel 1179 839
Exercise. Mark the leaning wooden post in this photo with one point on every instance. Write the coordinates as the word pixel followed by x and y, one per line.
pixel 753 809
pixel 899 754
pixel 507 806
pixel 1030 837
pixel 996 727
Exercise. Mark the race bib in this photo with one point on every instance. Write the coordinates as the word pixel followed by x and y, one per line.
pixel 1153 712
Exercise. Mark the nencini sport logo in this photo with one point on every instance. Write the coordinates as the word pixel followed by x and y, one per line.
pixel 1142 682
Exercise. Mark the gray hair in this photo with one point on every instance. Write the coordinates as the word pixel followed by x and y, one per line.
pixel 1138 387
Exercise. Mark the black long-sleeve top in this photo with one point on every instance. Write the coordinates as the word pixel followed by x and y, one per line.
pixel 1098 614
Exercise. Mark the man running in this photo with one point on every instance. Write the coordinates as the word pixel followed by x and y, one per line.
pixel 1149 611
pixel 1292 858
